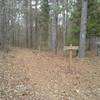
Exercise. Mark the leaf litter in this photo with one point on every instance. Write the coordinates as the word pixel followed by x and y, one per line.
pixel 32 75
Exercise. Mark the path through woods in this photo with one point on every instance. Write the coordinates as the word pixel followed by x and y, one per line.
pixel 28 75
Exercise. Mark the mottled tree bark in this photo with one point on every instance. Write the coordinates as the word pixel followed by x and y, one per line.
pixel 36 37
pixel 55 29
pixel 3 26
pixel 31 25
pixel 27 37
pixel 83 29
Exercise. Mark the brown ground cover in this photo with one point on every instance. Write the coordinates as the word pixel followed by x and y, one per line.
pixel 31 75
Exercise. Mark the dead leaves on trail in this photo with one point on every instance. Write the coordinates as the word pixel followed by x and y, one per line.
pixel 31 75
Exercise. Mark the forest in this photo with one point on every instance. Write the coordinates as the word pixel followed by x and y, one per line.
pixel 33 62
pixel 46 24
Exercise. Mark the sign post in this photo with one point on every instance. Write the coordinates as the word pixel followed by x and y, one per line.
pixel 71 49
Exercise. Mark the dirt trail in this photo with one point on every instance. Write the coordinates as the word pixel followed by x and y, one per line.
pixel 47 77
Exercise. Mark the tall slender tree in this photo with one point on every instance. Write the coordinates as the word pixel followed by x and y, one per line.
pixel 3 25
pixel 55 26
pixel 36 26
pixel 45 22
pixel 27 25
pixel 83 28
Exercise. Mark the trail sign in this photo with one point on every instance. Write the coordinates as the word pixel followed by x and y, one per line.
pixel 70 49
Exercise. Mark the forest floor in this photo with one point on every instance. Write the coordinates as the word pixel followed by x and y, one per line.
pixel 29 75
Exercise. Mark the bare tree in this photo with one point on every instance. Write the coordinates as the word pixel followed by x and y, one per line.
pixel 54 27
pixel 83 28
pixel 36 26
pixel 31 25
pixel 27 39
pixel 65 22
pixel 3 25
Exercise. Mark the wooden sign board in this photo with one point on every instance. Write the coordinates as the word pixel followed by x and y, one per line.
pixel 71 48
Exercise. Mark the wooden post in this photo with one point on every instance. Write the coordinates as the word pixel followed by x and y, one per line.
pixel 70 49
pixel 70 57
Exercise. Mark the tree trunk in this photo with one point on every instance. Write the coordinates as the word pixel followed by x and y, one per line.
pixel 83 29
pixel 3 26
pixel 36 27
pixel 55 29
pixel 27 39
pixel 31 26
pixel 65 22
